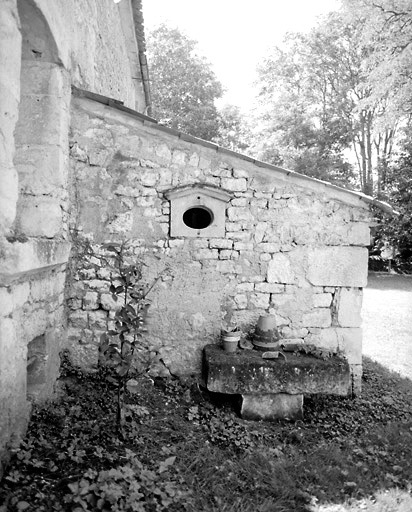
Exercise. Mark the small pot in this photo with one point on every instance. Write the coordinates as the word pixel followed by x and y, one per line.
pixel 230 340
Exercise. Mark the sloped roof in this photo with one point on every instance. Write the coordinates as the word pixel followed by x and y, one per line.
pixel 141 42
pixel 324 185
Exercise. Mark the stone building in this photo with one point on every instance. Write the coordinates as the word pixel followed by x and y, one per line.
pixel 81 160
pixel 45 48
pixel 235 234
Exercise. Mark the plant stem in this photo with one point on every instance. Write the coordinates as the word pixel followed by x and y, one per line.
pixel 119 408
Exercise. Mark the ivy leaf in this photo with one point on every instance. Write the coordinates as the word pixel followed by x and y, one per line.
pixel 164 466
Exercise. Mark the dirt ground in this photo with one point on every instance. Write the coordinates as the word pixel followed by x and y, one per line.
pixel 387 321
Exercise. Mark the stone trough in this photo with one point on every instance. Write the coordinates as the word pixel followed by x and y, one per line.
pixel 273 388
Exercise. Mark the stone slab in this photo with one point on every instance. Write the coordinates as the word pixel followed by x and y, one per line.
pixel 272 406
pixel 246 372
pixel 338 266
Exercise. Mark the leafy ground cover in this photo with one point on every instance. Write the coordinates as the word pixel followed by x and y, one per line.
pixel 185 450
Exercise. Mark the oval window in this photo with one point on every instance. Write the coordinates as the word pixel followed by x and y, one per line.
pixel 198 217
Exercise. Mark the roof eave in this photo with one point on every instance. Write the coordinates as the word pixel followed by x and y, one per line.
pixel 385 207
pixel 141 47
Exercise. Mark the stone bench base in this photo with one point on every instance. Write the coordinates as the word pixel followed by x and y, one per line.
pixel 272 406
pixel 273 388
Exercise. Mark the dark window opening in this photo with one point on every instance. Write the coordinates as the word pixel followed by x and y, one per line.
pixel 197 217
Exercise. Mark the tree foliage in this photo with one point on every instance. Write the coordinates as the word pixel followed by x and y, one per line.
pixel 184 87
pixel 397 230
pixel 312 97
pixel 387 36
pixel 233 132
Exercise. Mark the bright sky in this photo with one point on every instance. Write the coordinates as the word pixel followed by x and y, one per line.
pixel 234 34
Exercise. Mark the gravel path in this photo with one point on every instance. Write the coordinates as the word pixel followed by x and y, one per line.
pixel 387 321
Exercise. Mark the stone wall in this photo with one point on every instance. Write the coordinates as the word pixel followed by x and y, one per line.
pixel 93 48
pixel 291 246
pixel 45 47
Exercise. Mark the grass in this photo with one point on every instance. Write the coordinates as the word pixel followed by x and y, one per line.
pixel 387 315
pixel 183 449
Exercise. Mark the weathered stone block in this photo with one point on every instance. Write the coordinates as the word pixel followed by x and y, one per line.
pixel 243 246
pixel 21 293
pixel 177 242
pixel 9 188
pixel 359 234
pixel 149 178
pixel 226 266
pixel 280 270
pixel 350 343
pixel 35 322
pixel 220 243
pixel 97 319
pixel 338 266
pixel 348 303
pixel 41 169
pixel 78 319
pixel 144 202
pixel 194 160
pixel 260 231
pixel 40 216
pixel 108 303
pixel 179 157
pixel 269 288
pixel 243 236
pixel 90 300
pixel 234 184
pixel 47 113
pixel 199 243
pixel 245 372
pixel 41 289
pixel 239 201
pixel 236 214
pixel 122 223
pixel 271 407
pixel 260 300
pixel 74 304
pixel 323 338
pixel 356 374
pixel 233 226
pixel 268 247
pixel 245 287
pixel 97 284
pixel 241 301
pixel 163 152
pixel 290 333
pixel 228 255
pixel 240 173
pixel 322 300
pixel 320 317
pixel 206 254
pixel 6 301
pixel 266 195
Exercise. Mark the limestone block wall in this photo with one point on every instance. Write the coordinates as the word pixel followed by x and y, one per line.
pixel 32 309
pixel 291 246
pixel 45 47
pixel 10 54
pixel 94 48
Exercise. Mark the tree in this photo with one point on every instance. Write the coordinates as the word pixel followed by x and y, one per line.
pixel 184 87
pixel 233 131
pixel 397 230
pixel 312 95
pixel 387 37
pixel 386 41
